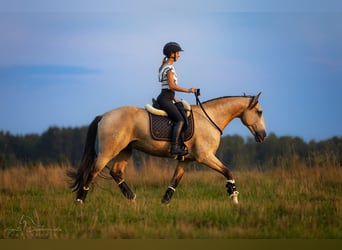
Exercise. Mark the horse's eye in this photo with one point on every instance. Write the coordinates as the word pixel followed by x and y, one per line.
pixel 259 112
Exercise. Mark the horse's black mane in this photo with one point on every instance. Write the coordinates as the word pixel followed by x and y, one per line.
pixel 232 96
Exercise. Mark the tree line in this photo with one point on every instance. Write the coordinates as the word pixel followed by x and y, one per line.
pixel 64 146
pixel 54 146
pixel 284 151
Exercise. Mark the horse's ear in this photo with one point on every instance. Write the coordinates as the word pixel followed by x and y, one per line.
pixel 254 101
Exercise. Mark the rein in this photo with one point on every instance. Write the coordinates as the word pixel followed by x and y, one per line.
pixel 198 102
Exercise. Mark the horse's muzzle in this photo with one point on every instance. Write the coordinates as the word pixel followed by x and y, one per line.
pixel 260 136
pixel 258 133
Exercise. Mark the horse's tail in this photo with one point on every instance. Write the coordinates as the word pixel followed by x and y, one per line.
pixel 80 176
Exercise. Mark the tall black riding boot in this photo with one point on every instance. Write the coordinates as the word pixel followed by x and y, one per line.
pixel 182 110
pixel 176 149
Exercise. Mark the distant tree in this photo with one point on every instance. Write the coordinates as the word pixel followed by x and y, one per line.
pixel 65 146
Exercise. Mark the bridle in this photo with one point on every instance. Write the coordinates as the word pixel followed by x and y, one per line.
pixel 198 102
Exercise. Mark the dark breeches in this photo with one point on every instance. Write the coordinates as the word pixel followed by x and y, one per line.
pixel 165 100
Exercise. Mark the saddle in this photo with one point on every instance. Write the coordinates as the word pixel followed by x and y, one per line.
pixel 161 125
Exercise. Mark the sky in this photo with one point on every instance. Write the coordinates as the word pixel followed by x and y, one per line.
pixel 64 62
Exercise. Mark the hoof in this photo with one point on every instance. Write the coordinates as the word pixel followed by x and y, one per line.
pixel 165 202
pixel 133 198
pixel 79 202
pixel 234 197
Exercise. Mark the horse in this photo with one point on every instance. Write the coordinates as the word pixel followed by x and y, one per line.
pixel 117 132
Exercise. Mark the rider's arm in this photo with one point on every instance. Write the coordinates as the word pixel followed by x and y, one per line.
pixel 173 86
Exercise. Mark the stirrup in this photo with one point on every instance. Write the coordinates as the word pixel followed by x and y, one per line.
pixel 180 152
pixel 179 157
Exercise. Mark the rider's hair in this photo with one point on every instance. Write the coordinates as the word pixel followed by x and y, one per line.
pixel 163 62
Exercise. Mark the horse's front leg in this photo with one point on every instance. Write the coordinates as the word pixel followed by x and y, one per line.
pixel 177 176
pixel 215 164
pixel 117 171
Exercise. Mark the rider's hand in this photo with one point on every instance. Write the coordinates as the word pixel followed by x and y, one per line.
pixel 192 90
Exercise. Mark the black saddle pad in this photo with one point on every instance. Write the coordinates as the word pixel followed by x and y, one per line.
pixel 161 128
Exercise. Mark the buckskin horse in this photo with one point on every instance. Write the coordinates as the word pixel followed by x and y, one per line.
pixel 120 130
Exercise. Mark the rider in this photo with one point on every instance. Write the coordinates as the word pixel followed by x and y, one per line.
pixel 166 99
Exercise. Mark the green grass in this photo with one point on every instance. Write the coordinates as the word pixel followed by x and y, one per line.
pixel 282 203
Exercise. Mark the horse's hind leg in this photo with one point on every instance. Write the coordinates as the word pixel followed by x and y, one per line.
pixel 177 176
pixel 100 164
pixel 117 171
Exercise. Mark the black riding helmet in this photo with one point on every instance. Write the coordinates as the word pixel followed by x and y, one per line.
pixel 171 47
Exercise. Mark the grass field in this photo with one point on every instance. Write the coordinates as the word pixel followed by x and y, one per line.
pixel 295 202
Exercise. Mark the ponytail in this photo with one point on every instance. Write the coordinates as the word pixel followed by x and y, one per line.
pixel 163 62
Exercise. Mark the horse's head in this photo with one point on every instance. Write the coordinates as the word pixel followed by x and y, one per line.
pixel 253 119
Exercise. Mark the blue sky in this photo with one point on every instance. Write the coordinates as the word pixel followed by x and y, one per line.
pixel 64 62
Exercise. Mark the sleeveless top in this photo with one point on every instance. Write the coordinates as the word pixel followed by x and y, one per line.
pixel 163 75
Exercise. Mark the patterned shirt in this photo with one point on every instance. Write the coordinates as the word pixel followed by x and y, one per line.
pixel 163 75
